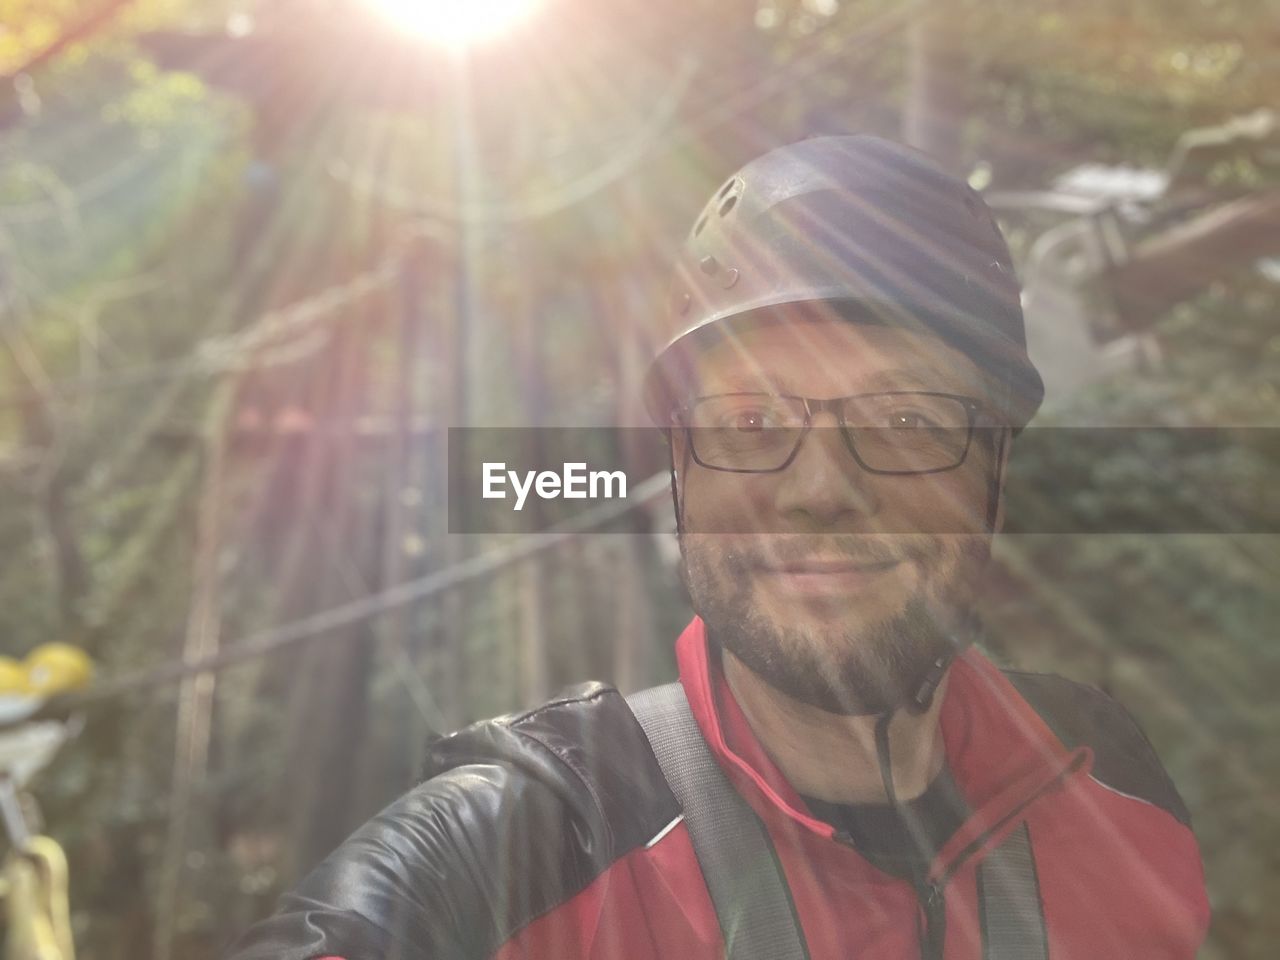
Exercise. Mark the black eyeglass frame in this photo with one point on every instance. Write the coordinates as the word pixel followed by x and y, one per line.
pixel 974 408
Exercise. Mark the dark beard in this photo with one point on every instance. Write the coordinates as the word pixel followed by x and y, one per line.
pixel 870 672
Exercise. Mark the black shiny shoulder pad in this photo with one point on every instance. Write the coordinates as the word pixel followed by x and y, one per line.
pixel 516 816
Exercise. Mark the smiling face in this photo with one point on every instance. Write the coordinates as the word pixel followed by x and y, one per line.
pixel 836 585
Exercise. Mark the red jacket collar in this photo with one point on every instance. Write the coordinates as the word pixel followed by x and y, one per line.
pixel 1000 752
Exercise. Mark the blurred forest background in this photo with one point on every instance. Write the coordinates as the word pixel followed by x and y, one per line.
pixel 255 257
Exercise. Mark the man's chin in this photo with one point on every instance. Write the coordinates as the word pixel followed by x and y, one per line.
pixel 847 662
pixel 826 624
pixel 845 687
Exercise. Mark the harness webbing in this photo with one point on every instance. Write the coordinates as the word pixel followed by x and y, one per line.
pixel 745 879
pixel 1009 902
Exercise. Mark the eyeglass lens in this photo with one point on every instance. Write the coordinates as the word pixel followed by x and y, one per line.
pixel 887 432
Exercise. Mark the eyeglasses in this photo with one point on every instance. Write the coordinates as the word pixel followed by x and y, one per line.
pixel 898 432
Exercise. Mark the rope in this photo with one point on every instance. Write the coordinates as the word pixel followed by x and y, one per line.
pixel 305 629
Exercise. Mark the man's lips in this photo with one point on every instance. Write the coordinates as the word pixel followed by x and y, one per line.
pixel 826 580
pixel 834 566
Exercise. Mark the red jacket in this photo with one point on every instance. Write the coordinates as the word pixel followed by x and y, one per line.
pixel 541 836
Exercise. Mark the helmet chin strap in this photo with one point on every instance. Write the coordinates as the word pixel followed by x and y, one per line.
pixel 920 701
pixel 908 823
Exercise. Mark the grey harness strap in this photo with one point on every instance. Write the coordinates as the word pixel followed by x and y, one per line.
pixel 1009 902
pixel 744 878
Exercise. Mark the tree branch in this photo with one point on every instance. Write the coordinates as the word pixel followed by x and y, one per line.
pixel 1180 262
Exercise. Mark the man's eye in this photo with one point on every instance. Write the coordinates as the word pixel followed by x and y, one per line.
pixel 749 420
pixel 910 419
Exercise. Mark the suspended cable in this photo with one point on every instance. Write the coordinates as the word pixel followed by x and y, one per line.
pixel 287 635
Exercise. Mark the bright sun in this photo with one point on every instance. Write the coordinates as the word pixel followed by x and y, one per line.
pixel 454 23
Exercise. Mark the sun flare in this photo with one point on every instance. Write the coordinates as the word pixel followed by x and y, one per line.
pixel 454 23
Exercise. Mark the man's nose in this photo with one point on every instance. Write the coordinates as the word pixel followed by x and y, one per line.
pixel 824 485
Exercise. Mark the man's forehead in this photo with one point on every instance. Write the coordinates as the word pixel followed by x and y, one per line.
pixel 814 357
pixel 781 381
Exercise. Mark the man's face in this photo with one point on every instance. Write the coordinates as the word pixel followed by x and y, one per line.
pixel 837 586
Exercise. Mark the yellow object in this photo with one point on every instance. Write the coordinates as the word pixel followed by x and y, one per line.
pixel 39 918
pixel 13 678
pixel 57 668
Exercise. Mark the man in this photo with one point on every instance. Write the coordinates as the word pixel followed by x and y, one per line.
pixel 844 372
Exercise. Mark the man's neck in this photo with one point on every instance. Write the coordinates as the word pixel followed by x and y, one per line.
pixel 832 757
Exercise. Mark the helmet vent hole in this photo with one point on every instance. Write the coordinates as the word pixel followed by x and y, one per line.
pixel 726 188
pixel 727 204
pixel 702 222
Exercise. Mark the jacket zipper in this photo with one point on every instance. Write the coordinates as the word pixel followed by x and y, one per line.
pixel 934 934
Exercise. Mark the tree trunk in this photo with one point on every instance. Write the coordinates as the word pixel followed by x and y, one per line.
pixel 196 693
pixel 938 98
pixel 335 680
